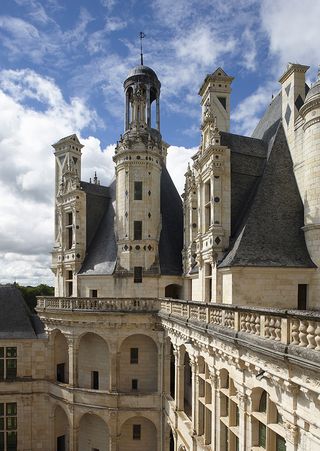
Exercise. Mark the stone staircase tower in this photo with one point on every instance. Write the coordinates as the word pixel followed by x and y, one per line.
pixel 70 224
pixel 139 157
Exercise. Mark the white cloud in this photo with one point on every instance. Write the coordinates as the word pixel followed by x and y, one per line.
pixel 293 31
pixel 246 115
pixel 27 169
pixel 177 163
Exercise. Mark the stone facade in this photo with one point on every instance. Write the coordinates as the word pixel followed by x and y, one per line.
pixel 179 326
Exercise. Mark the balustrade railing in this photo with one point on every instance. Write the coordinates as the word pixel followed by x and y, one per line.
pixel 300 328
pixel 97 304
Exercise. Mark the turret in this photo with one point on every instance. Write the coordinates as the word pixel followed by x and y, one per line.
pixel 139 156
pixel 215 99
pixel 70 226
pixel 310 113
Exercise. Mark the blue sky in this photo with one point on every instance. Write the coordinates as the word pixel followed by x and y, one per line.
pixel 62 68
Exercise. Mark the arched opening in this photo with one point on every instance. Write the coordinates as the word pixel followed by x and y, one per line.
pixel 61 358
pixel 93 368
pixel 267 423
pixel 229 413
pixel 93 433
pixel 187 386
pixel 173 291
pixel 61 430
pixel 172 372
pixel 138 365
pixel 138 434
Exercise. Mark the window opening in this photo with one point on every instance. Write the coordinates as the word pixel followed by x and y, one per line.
pixel 137 274
pixel 136 431
pixel 137 230
pixel 137 190
pixel 95 380
pixel 8 426
pixel 134 355
pixel 8 363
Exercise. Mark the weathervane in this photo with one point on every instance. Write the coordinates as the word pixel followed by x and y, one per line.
pixel 142 35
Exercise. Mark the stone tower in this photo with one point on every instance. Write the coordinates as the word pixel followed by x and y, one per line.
pixel 215 98
pixel 207 199
pixel 139 157
pixel 70 225
pixel 310 113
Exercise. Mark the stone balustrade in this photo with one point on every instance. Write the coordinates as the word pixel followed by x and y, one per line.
pixel 48 303
pixel 289 327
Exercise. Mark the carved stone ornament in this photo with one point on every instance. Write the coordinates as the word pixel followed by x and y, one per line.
pixel 292 432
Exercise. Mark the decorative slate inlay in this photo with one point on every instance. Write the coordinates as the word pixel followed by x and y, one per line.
pixel 149 193
pixel 149 215
pixel 223 102
pixel 287 89
pixel 288 114
pixel 126 214
pixel 299 102
pixel 217 240
pixel 217 199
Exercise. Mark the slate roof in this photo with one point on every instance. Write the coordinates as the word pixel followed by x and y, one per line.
pixel 16 320
pixel 171 237
pixel 248 157
pixel 101 241
pixel 269 122
pixel 270 232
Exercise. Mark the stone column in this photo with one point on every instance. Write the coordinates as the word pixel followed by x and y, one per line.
pixel 126 109
pixel 166 368
pixel 113 367
pixel 195 394
pixel 216 421
pixel 148 106
pixel 214 386
pixel 73 360
pixel 179 379
pixel 242 405
pixel 160 364
pixel 114 443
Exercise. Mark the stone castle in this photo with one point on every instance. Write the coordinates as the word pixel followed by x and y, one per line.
pixel 177 325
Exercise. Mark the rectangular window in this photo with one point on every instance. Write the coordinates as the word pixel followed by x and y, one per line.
pixel 8 363
pixel 8 426
pixel 137 190
pixel 136 431
pixel 95 380
pixel 137 230
pixel 94 293
pixel 134 355
pixel 69 218
pixel 137 274
pixel 60 372
pixel 69 230
pixel 134 384
pixel 302 296
pixel 69 283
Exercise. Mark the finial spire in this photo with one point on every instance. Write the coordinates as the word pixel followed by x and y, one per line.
pixel 142 35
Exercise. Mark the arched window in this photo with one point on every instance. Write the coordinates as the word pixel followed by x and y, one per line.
pixel 229 414
pixel 267 426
